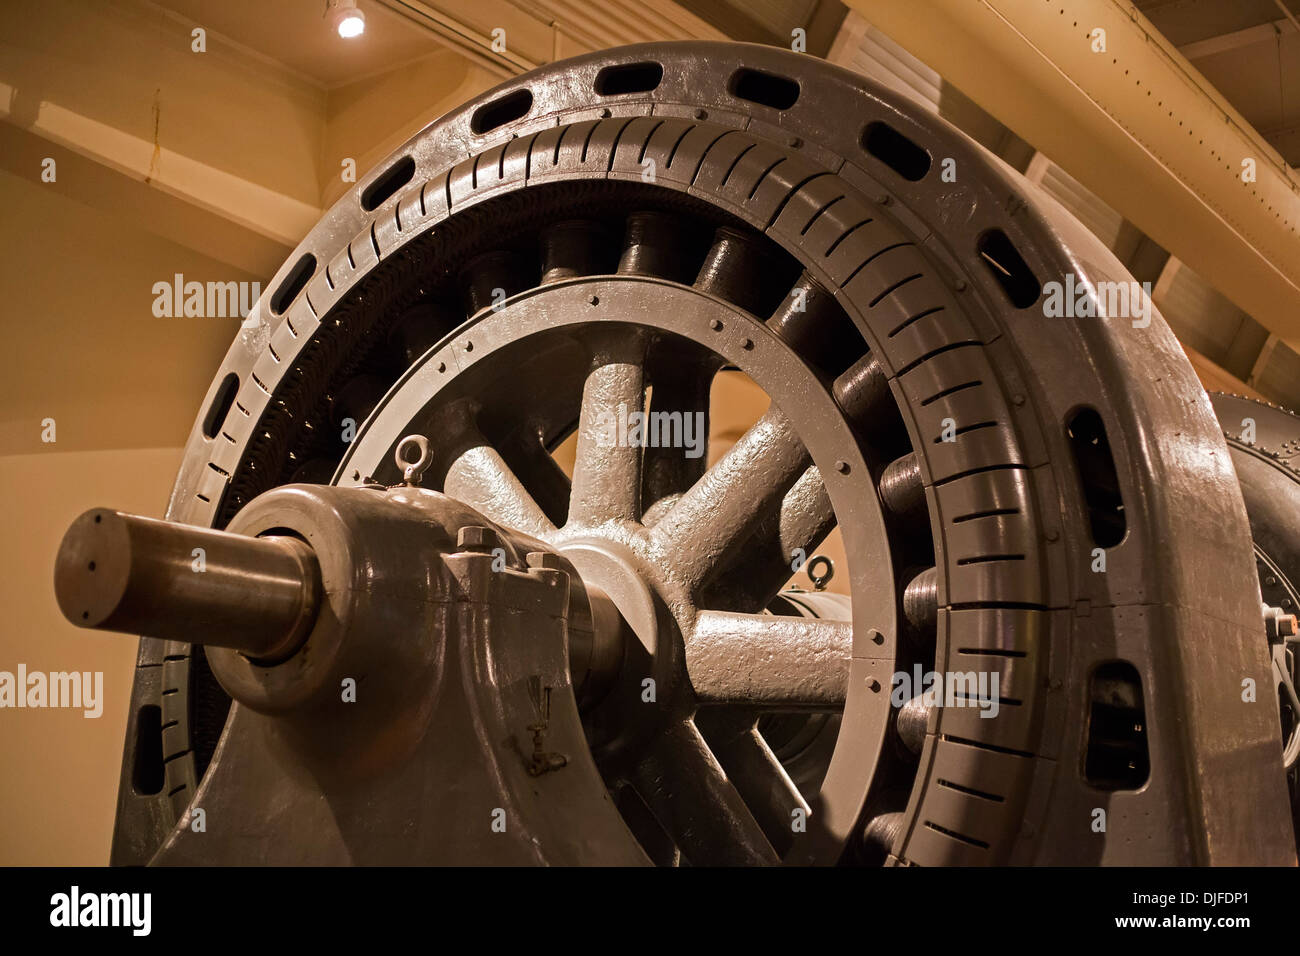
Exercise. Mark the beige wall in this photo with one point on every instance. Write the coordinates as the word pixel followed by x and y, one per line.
pixel 81 343
pixel 58 785
pixel 82 346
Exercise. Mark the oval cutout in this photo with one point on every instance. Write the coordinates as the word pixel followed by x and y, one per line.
pixel 766 89
pixel 147 772
pixel 896 151
pixel 629 78
pixel 1117 755
pixel 220 406
pixel 1008 267
pixel 293 283
pixel 1095 465
pixel 390 181
pixel 499 112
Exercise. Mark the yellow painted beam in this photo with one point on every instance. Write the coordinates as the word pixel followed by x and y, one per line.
pixel 1134 122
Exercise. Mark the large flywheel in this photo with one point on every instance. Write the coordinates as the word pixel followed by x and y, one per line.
pixel 1053 605
pixel 1265 444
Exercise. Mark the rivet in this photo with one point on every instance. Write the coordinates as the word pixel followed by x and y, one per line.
pixel 715 325
pixel 842 467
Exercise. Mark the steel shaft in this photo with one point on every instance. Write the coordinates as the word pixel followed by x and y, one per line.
pixel 122 572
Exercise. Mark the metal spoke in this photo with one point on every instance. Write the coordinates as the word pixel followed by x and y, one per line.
pixel 705 528
pixel 767 559
pixel 679 402
pixel 481 479
pixel 687 790
pixel 607 467
pixel 757 774
pixel 1291 746
pixel 541 475
pixel 769 661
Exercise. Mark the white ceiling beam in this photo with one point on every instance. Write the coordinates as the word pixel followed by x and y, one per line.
pixel 121 85
pixel 258 208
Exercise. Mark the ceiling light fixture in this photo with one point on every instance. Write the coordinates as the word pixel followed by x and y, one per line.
pixel 346 18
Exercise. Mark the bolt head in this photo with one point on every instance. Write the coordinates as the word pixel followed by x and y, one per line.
pixel 545 559
pixel 477 538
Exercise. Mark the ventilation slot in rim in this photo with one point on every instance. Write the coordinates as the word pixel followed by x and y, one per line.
pixel 147 774
pixel 766 89
pixel 389 182
pixel 1096 468
pixel 220 406
pixel 293 283
pixel 501 111
pixel 1005 264
pixel 1117 756
pixel 629 78
pixel 896 151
